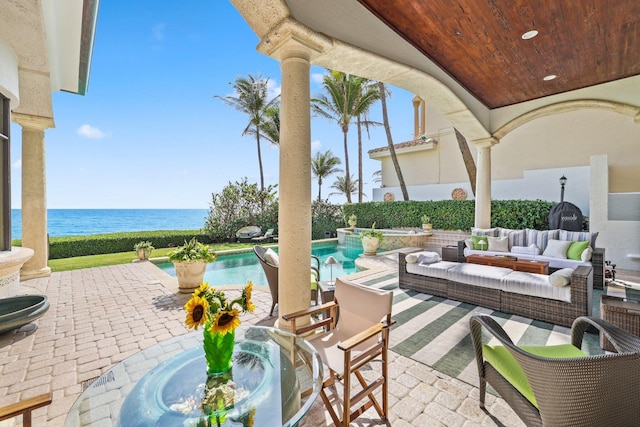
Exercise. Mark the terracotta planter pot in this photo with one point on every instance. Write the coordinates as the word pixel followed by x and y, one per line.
pixel 190 274
pixel 426 227
pixel 144 254
pixel 370 245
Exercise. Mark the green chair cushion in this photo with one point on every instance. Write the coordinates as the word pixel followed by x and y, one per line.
pixel 314 284
pixel 501 359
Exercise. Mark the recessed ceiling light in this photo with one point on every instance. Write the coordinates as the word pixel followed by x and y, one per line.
pixel 529 34
pixel 549 77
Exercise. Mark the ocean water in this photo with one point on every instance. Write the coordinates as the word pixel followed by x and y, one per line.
pixel 79 222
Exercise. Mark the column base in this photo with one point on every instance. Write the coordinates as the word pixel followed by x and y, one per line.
pixel 35 273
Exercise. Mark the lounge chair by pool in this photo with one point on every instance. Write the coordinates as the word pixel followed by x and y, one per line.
pixel 245 234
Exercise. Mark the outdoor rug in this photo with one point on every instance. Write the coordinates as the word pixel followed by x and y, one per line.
pixel 435 331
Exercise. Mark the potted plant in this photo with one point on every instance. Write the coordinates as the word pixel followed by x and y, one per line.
pixel 371 239
pixel 353 220
pixel 426 223
pixel 143 249
pixel 190 261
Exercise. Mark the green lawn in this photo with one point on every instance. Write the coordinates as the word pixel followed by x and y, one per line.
pixel 124 257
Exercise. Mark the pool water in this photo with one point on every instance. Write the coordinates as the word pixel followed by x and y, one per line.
pixel 238 269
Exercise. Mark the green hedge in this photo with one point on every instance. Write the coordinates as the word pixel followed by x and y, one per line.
pixel 451 214
pixel 97 244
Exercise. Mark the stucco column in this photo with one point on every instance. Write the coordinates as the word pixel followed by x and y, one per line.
pixel 483 182
pixel 34 194
pixel 294 221
pixel 416 116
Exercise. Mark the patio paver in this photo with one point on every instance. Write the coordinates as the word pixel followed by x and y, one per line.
pixel 100 316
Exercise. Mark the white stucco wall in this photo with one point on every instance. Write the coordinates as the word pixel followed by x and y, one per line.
pixel 621 239
pixel 9 81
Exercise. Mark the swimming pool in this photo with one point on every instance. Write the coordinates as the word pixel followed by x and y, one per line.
pixel 237 269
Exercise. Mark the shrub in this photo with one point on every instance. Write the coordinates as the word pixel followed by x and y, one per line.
pixel 451 214
pixel 325 217
pixel 240 204
pixel 98 244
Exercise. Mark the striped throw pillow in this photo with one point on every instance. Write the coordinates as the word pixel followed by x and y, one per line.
pixel 493 232
pixel 578 236
pixel 515 237
pixel 540 237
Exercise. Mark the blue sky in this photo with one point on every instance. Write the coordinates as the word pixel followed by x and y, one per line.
pixel 149 134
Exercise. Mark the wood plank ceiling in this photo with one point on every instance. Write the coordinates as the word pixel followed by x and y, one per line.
pixel 480 44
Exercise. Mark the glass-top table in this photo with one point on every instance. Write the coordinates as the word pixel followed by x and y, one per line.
pixel 275 378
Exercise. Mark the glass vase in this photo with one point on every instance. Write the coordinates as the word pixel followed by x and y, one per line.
pixel 218 351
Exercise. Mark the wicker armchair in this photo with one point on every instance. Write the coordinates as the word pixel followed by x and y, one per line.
pixel 271 271
pixel 562 391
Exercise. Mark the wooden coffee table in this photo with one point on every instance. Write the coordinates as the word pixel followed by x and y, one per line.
pixel 529 266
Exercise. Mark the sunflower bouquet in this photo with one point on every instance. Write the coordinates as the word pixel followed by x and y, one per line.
pixel 220 316
pixel 210 307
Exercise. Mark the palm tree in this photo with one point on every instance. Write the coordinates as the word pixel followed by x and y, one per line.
pixel 370 95
pixel 344 102
pixel 323 165
pixel 469 164
pixel 252 99
pixel 392 150
pixel 345 186
pixel 377 176
pixel 270 127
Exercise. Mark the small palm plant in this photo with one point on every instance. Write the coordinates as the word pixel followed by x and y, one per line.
pixel 143 249
pixel 192 251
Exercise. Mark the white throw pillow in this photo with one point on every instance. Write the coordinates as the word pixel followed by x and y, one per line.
pixel 498 244
pixel 557 249
pixel 586 254
pixel 411 258
pixel 468 243
pixel 561 278
pixel 426 258
pixel 272 258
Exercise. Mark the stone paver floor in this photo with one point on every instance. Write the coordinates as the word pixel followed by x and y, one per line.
pixel 100 316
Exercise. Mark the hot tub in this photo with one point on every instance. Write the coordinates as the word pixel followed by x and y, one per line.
pixel 393 239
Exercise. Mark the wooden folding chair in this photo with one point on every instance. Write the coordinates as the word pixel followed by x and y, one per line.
pixel 358 334
pixel 24 408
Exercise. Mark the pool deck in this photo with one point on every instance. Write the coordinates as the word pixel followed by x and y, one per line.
pixel 100 316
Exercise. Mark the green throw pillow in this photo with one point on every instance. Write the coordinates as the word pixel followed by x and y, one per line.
pixel 576 249
pixel 502 360
pixel 476 243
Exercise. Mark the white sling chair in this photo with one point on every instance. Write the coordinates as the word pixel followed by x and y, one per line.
pixel 357 334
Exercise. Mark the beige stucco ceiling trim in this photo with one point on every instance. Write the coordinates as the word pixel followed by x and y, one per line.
pixel 563 107
pixel 31 121
pixel 270 19
pixel 289 34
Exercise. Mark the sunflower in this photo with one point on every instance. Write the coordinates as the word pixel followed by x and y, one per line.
pixel 225 321
pixel 197 309
pixel 246 296
pixel 204 287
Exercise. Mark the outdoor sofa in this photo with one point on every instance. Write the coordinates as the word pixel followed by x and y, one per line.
pixel 532 244
pixel 525 294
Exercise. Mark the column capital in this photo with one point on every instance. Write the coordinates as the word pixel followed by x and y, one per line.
pixel 291 39
pixel 29 121
pixel 485 142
